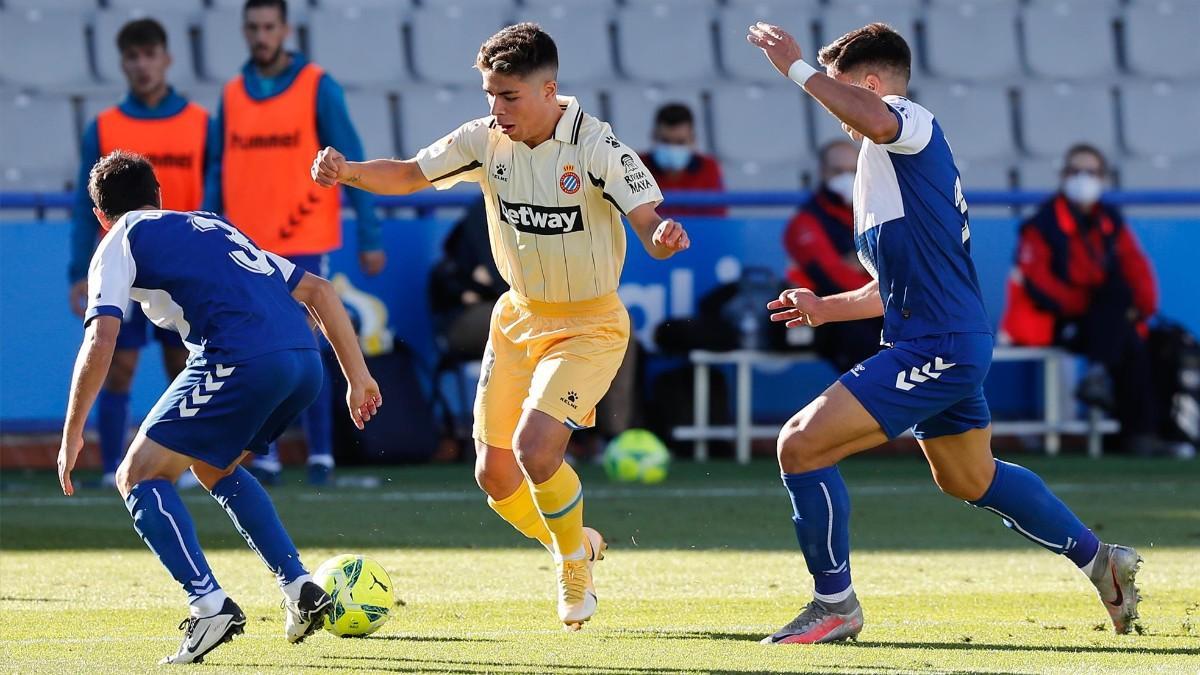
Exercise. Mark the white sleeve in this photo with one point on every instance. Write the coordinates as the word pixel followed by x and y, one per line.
pixel 456 157
pixel 916 126
pixel 110 276
pixel 287 268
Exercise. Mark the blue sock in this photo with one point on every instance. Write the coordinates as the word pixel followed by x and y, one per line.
pixel 165 525
pixel 318 425
pixel 113 423
pixel 254 516
pixel 821 514
pixel 1027 506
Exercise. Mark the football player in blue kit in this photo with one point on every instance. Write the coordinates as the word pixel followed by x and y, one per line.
pixel 912 235
pixel 253 367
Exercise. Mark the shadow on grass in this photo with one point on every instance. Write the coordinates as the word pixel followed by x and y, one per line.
pixel 400 664
pixel 980 646
pixel 429 638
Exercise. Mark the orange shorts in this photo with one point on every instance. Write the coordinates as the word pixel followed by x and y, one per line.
pixel 557 358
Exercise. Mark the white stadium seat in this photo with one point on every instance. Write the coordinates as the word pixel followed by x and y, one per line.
pixel 1160 38
pixel 185 6
pixel 428 114
pixel 747 175
pixel 96 100
pixel 223 50
pixel 44 48
pixel 371 113
pixel 1160 173
pixel 984 174
pixel 743 61
pixel 72 5
pixel 445 38
pixel 632 109
pixel 972 40
pixel 49 156
pixel 765 124
pixel 581 33
pixel 1040 173
pixel 666 43
pixel 179 43
pixel 843 17
pixel 207 95
pixel 1160 118
pixel 977 120
pixel 1070 39
pixel 1055 116
pixel 334 33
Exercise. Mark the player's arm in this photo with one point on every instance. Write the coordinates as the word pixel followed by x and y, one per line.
pixel 381 176
pixel 858 108
pixel 800 306
pixel 362 396
pixel 662 238
pixel 91 368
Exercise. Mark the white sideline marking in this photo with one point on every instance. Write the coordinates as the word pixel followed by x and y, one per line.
pixel 592 493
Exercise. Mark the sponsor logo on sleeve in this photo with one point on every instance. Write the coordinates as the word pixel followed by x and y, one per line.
pixel 537 219
pixel 635 176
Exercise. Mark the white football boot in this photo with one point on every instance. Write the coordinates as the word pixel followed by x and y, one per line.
pixel 576 593
pixel 1113 576
pixel 203 634
pixel 305 616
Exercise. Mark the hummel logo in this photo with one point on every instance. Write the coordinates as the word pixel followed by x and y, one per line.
pixel 375 580
pixel 203 392
pixel 927 372
pixel 858 369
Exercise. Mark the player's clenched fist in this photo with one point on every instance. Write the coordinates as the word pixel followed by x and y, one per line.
pixel 670 235
pixel 800 307
pixel 329 167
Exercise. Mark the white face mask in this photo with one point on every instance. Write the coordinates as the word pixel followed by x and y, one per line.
pixel 1083 188
pixel 842 184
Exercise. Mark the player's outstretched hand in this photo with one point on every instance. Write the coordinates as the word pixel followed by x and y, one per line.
pixel 781 48
pixel 364 400
pixel 68 452
pixel 328 167
pixel 670 235
pixel 800 307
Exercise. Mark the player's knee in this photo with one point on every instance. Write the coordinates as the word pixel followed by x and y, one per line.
pixel 798 450
pixel 537 459
pixel 967 486
pixel 126 479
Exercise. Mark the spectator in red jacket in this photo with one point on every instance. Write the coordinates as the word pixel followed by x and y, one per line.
pixel 820 241
pixel 1082 281
pixel 677 165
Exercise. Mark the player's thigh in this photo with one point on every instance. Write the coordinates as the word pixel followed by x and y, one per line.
pixel 833 426
pixel 148 460
pixel 210 475
pixel 958 446
pixel 497 471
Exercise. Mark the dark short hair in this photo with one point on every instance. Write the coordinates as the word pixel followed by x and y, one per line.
pixel 672 114
pixel 141 33
pixel 518 50
pixel 255 4
pixel 875 44
pixel 123 181
pixel 1085 149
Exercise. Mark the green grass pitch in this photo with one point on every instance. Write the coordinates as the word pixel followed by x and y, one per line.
pixel 699 569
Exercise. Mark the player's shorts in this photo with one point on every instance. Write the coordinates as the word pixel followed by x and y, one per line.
pixel 136 328
pixel 932 385
pixel 556 358
pixel 213 412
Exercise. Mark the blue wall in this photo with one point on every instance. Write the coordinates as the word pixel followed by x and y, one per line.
pixel 39 336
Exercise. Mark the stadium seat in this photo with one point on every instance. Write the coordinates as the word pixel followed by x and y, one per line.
pixel 666 43
pixel 96 100
pixel 1070 39
pixel 223 50
pixel 973 41
pixel 44 48
pixel 206 94
pixel 332 34
pixel 632 109
pixel 1055 116
pixel 745 62
pixel 179 42
pixel 843 17
pixel 1160 173
pixel 43 159
pixel 747 175
pixel 760 123
pixel 539 4
pixel 977 120
pixel 581 33
pixel 371 112
pixel 1160 118
pixel 156 5
pixel 74 5
pixel 825 127
pixel 445 38
pixel 428 114
pixel 984 174
pixel 1160 38
pixel 1041 173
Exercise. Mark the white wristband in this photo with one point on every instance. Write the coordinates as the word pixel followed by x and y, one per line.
pixel 799 72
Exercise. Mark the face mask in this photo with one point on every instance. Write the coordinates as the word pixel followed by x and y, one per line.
pixel 671 157
pixel 842 185
pixel 1082 188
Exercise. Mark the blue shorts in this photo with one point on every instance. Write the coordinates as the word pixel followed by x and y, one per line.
pixel 135 330
pixel 932 385
pixel 213 412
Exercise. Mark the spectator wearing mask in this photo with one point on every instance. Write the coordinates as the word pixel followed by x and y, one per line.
pixel 677 165
pixel 819 240
pixel 1082 281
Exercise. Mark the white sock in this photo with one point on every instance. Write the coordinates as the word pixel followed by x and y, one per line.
pixel 579 554
pixel 292 591
pixel 836 597
pixel 208 604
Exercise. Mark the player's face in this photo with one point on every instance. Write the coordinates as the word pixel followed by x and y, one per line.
pixel 145 68
pixel 522 106
pixel 265 32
